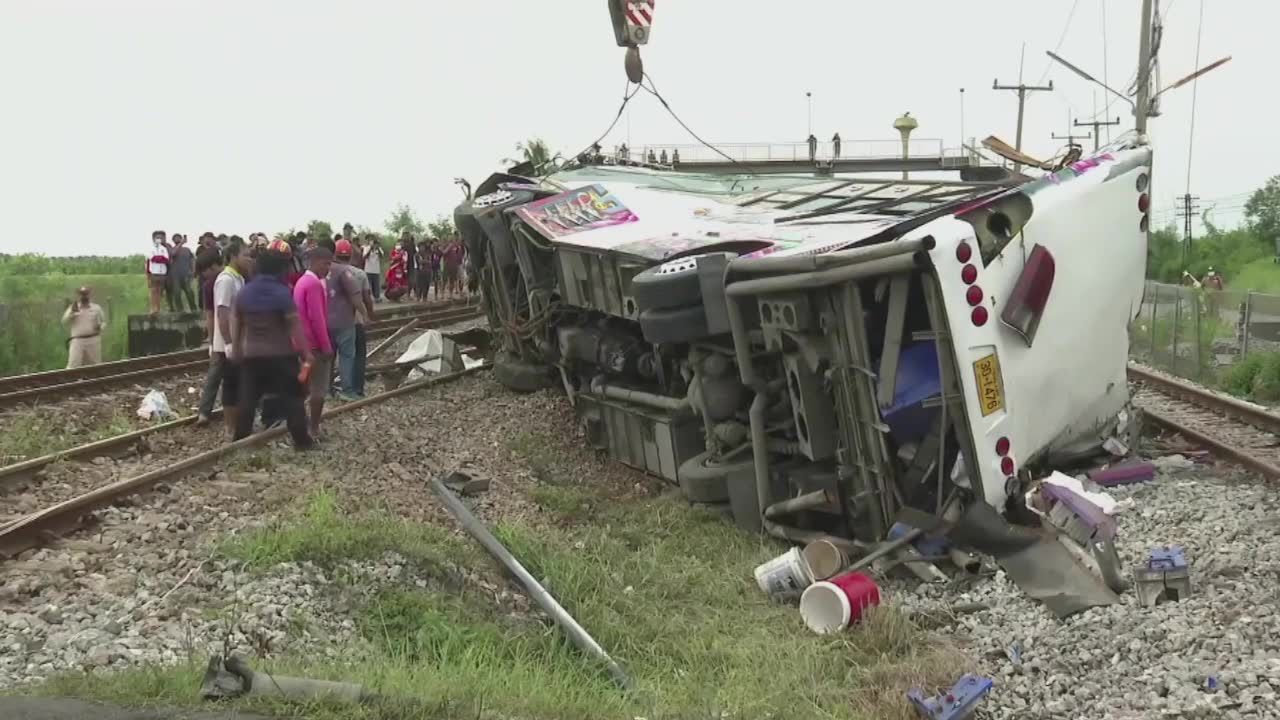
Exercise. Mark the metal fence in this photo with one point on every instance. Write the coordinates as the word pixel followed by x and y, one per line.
pixel 1196 333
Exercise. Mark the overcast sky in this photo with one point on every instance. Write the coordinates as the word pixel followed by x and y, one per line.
pixel 124 116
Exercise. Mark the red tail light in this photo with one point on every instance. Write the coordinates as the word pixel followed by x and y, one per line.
pixel 1030 295
pixel 979 316
pixel 1006 466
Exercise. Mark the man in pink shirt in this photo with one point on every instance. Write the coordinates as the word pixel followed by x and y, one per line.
pixel 312 299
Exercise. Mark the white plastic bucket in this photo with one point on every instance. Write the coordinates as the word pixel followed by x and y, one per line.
pixel 825 559
pixel 785 577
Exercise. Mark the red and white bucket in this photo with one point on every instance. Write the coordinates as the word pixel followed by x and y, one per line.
pixel 784 577
pixel 832 605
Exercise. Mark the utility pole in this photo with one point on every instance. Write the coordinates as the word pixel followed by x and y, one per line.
pixel 1071 139
pixel 1142 103
pixel 1095 125
pixel 1022 89
pixel 1186 212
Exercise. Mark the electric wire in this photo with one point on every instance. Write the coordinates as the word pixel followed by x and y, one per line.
pixel 1195 87
pixel 627 94
pixel 1061 39
pixel 1105 68
pixel 652 89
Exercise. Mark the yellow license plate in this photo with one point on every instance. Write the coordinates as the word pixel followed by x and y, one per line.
pixel 986 370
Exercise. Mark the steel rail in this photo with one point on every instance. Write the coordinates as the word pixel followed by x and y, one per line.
pixel 1222 449
pixel 11 383
pixel 57 520
pixel 1231 407
pixel 19 472
pixel 194 359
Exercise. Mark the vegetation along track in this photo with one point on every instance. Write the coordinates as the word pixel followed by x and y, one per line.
pixel 35 387
pixel 118 445
pixel 1235 430
pixel 58 519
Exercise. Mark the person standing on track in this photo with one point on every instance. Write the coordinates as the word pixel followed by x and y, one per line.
pixel 426 274
pixel 344 297
pixel 364 315
pixel 85 322
pixel 373 254
pixel 436 265
pixel 312 301
pixel 222 370
pixel 268 339
pixel 453 253
pixel 208 265
pixel 411 268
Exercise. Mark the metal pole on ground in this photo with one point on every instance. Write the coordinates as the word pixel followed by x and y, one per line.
pixel 1248 317
pixel 539 594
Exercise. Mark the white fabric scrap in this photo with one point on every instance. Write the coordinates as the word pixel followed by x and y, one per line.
pixel 1103 500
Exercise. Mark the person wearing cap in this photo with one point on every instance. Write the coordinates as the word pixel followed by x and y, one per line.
pixel 346 252
pixel 157 269
pixel 312 300
pixel 268 338
pixel 344 297
pixel 85 322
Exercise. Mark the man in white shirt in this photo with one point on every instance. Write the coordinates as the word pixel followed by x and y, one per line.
pixel 222 371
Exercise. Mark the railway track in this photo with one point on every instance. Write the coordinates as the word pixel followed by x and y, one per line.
pixel 52 384
pixel 1234 430
pixel 55 521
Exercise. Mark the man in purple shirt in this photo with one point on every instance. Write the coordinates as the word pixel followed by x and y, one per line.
pixel 268 340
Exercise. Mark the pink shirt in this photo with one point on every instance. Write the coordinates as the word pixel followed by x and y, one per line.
pixel 312 299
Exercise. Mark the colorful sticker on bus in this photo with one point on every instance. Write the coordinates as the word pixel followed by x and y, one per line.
pixel 575 211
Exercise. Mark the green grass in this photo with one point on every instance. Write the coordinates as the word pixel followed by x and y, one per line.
pixel 31 433
pixel 665 588
pixel 31 309
pixel 321 533
pixel 1259 276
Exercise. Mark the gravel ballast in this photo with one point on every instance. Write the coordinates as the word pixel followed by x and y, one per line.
pixel 145 586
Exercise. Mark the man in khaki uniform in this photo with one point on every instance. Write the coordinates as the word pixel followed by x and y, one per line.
pixel 85 322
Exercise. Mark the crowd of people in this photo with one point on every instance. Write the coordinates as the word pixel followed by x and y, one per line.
pixel 416 269
pixel 283 317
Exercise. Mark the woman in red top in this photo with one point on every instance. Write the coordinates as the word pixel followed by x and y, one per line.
pixel 397 274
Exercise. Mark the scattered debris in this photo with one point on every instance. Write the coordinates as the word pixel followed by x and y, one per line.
pixel 955 704
pixel 825 558
pixel 1165 576
pixel 1170 463
pixel 155 407
pixel 537 592
pixel 1125 473
pixel 234 678
pixel 832 605
pixel 467 483
pixel 785 577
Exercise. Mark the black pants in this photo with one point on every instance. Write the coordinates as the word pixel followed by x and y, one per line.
pixel 222 374
pixel 279 374
pixel 177 289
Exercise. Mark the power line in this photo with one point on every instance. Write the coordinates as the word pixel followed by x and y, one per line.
pixel 652 89
pixel 1105 80
pixel 1195 87
pixel 1066 27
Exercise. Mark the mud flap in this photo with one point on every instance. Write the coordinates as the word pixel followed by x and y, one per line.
pixel 1036 561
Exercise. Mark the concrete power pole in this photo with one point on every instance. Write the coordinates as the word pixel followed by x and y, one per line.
pixel 1096 124
pixel 1022 89
pixel 1142 103
pixel 1071 139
